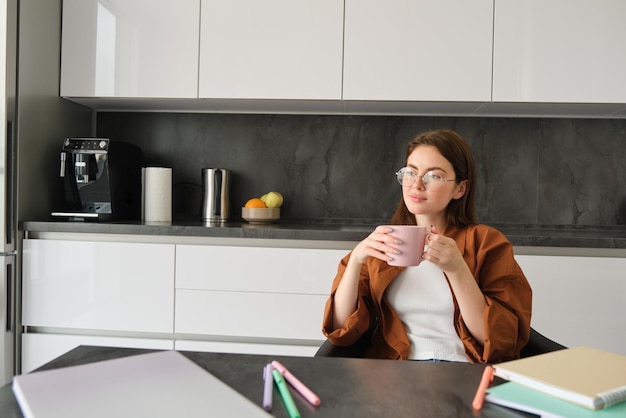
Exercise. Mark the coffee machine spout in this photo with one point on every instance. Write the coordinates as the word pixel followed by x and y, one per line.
pixel 63 159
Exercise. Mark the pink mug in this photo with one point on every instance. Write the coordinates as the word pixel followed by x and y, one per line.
pixel 412 247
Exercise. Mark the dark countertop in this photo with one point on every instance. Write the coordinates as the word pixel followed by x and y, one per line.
pixel 519 235
pixel 348 387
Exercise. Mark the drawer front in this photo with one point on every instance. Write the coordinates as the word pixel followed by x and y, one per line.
pixel 245 314
pixel 98 285
pixel 256 269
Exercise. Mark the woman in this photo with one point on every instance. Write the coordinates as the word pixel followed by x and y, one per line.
pixel 468 300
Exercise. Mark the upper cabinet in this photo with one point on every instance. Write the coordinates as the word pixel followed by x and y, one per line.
pixel 278 49
pixel 559 51
pixel 413 57
pixel 418 50
pixel 130 48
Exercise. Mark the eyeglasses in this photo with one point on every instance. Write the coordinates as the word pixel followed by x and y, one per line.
pixel 431 179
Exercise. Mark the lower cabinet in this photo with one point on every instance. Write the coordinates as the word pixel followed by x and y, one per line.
pixel 579 301
pixel 255 299
pixel 242 299
pixel 73 291
pixel 250 314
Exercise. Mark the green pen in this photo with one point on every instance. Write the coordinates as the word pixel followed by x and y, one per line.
pixel 292 410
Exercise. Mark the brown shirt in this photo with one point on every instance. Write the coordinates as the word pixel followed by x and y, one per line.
pixel 489 256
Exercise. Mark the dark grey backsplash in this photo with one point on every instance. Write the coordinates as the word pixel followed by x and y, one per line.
pixel 341 168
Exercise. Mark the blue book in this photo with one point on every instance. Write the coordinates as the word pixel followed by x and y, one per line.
pixel 516 396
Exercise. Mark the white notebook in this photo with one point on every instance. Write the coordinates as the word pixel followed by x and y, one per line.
pixel 160 384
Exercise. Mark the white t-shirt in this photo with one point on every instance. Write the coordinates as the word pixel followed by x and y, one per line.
pixel 422 298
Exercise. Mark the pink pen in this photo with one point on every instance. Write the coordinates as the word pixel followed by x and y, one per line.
pixel 297 384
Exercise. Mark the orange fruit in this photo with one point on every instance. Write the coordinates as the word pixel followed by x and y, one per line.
pixel 255 202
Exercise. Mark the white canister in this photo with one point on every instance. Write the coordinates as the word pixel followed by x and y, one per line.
pixel 156 197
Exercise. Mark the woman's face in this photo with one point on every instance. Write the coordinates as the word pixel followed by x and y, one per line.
pixel 431 199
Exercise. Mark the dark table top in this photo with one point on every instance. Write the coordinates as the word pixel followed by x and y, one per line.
pixel 347 387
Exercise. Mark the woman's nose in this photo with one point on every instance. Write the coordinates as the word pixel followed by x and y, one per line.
pixel 419 183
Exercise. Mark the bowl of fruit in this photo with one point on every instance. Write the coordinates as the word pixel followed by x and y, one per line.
pixel 264 209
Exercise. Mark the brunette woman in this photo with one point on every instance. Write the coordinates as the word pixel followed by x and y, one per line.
pixel 468 300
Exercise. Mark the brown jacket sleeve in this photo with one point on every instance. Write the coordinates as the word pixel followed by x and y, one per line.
pixel 489 256
pixel 359 321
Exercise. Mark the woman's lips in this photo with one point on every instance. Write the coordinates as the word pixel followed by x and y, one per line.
pixel 417 199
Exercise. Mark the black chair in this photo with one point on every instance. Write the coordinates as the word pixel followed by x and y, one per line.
pixel 537 344
pixel 356 350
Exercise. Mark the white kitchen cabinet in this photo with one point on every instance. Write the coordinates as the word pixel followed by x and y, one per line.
pixel 250 314
pixel 278 49
pixel 95 293
pixel 256 269
pixel 579 300
pixel 254 295
pixel 130 48
pixel 418 50
pixel 560 51
pixel 105 286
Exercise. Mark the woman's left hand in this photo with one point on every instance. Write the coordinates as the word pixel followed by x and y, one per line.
pixel 443 252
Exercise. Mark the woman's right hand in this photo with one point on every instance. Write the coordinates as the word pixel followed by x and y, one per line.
pixel 376 245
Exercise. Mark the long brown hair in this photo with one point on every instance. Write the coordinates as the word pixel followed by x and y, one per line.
pixel 454 148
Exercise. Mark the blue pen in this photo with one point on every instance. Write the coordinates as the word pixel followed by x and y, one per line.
pixel 292 409
pixel 268 379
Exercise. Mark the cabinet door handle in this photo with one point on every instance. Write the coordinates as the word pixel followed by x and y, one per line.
pixel 9 288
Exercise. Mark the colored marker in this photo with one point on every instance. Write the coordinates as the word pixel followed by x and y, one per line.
pixel 292 410
pixel 485 381
pixel 268 379
pixel 297 384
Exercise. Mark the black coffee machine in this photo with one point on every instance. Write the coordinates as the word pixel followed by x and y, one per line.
pixel 101 179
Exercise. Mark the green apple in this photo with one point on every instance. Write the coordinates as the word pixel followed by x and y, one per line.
pixel 272 199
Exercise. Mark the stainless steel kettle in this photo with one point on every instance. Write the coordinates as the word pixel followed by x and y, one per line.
pixel 215 194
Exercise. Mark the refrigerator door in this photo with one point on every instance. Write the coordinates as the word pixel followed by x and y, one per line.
pixel 7 319
pixel 8 23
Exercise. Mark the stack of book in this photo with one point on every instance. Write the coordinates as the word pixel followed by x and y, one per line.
pixel 577 382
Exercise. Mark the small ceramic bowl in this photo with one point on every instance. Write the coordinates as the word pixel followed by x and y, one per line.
pixel 260 215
